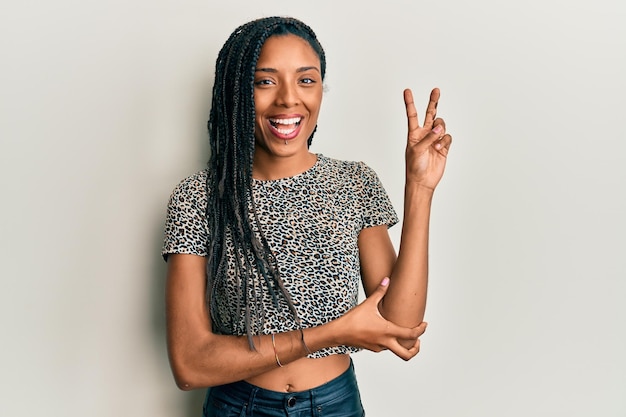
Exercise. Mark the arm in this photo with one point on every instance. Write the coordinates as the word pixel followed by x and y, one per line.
pixel 200 358
pixel 426 152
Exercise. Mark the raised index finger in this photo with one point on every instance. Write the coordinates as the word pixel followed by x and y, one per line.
pixel 411 112
pixel 431 109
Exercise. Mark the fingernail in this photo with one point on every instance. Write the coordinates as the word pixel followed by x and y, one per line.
pixel 385 282
pixel 437 129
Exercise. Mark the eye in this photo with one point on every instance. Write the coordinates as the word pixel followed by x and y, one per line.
pixel 263 82
pixel 308 81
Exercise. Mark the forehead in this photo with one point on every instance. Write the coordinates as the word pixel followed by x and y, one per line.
pixel 288 48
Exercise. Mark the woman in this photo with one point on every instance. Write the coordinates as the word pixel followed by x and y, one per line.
pixel 266 246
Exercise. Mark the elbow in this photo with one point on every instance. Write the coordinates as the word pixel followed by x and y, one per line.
pixel 184 377
pixel 185 369
pixel 183 385
pixel 185 364
pixel 197 363
pixel 190 374
pixel 188 378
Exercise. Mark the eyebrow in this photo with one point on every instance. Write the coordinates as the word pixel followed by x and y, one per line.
pixel 273 70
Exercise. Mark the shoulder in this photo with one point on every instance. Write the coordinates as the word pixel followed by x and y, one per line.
pixel 345 167
pixel 356 172
pixel 195 181
pixel 186 227
pixel 192 188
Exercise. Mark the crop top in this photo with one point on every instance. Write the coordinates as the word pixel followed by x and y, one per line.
pixel 311 222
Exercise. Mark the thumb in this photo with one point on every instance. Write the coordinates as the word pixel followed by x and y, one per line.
pixel 380 291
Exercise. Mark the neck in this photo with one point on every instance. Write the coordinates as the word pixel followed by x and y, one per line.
pixel 272 167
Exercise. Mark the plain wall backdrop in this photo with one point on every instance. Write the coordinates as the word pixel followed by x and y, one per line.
pixel 103 108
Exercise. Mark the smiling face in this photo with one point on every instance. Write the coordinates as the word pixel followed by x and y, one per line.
pixel 287 97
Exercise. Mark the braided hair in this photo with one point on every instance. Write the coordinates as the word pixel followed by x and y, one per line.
pixel 231 209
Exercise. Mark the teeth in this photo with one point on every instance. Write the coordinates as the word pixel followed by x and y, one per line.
pixel 285 131
pixel 292 121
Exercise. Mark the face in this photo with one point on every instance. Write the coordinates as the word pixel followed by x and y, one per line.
pixel 287 96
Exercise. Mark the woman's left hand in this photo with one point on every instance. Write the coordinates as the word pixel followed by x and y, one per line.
pixel 428 145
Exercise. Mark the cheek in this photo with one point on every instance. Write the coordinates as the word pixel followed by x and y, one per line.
pixel 261 101
pixel 319 96
pixel 314 106
pixel 258 127
pixel 260 106
pixel 258 131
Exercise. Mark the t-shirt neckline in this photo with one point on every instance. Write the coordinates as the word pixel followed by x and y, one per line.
pixel 311 171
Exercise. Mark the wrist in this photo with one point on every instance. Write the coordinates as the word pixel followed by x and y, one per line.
pixel 419 187
pixel 326 335
pixel 417 195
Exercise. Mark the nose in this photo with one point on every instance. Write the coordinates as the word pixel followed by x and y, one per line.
pixel 287 95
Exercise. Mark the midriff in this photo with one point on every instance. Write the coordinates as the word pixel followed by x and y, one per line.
pixel 302 374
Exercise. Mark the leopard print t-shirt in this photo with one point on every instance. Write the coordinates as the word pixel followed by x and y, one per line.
pixel 312 222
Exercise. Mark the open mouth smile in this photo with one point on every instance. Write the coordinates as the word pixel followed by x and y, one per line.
pixel 286 128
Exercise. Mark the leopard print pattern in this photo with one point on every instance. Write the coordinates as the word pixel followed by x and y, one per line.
pixel 312 222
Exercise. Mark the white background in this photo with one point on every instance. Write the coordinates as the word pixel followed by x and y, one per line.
pixel 103 110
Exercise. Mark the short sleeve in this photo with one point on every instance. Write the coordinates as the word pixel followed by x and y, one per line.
pixel 375 203
pixel 186 226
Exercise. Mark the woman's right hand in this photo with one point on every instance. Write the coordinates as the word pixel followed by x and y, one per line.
pixel 365 327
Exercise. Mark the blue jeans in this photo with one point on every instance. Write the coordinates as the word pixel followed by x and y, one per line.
pixel 337 398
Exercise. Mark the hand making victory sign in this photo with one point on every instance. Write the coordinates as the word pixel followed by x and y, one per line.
pixel 427 145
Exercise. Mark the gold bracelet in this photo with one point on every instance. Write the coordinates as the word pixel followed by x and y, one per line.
pixel 276 353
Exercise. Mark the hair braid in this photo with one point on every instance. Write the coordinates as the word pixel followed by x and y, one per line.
pixel 231 209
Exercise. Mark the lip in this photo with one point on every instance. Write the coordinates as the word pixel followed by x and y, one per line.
pixel 276 130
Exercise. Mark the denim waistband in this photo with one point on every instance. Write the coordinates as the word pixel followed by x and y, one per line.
pixel 335 390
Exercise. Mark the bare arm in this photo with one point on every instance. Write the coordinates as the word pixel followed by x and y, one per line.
pixel 405 300
pixel 427 149
pixel 200 358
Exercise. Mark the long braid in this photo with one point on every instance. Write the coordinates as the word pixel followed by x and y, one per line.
pixel 231 209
